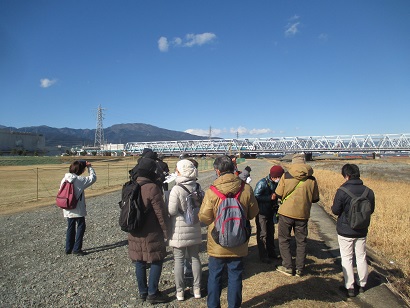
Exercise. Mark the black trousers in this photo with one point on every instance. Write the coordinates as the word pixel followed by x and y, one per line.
pixel 265 233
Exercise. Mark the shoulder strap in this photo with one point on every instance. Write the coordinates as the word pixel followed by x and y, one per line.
pixel 347 192
pixel 217 192
pixel 297 185
pixel 366 191
pixel 222 196
pixel 80 197
pixel 184 187
pixel 239 191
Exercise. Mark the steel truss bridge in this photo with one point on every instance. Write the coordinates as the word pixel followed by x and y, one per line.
pixel 375 143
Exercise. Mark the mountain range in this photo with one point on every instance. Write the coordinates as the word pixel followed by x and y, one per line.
pixel 119 133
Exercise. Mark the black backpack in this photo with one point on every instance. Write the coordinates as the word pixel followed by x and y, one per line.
pixel 360 211
pixel 133 211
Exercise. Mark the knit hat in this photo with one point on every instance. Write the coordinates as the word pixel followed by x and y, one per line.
pixel 276 172
pixel 146 167
pixel 149 153
pixel 244 175
pixel 247 168
pixel 298 158
pixel 187 169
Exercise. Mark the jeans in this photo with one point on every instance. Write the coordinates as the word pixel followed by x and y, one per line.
pixel 265 232
pixel 154 274
pixel 300 228
pixel 348 247
pixel 74 238
pixel 235 269
pixel 179 258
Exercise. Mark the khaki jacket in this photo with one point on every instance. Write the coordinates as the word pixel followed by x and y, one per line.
pixel 301 197
pixel 226 183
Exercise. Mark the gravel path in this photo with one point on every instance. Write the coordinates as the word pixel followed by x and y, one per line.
pixel 35 272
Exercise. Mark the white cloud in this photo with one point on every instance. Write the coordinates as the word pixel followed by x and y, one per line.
pixel 323 36
pixel 215 132
pixel 197 131
pixel 260 131
pixel 177 41
pixel 294 17
pixel 292 29
pixel 163 44
pixel 199 39
pixel 190 40
pixel 46 83
pixel 293 26
pixel 240 130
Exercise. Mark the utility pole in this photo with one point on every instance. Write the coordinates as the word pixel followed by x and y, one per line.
pixel 99 132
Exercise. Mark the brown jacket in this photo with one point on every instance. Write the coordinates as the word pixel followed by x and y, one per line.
pixel 225 184
pixel 299 202
pixel 149 243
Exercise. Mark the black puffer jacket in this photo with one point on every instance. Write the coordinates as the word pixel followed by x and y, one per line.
pixel 263 193
pixel 341 207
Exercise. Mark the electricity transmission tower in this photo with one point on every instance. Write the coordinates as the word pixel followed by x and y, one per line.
pixel 99 132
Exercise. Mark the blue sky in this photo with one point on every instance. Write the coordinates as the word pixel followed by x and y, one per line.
pixel 247 69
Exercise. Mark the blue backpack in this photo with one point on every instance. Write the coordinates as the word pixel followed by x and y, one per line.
pixel 231 226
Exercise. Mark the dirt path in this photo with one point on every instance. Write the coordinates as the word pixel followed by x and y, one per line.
pixel 35 272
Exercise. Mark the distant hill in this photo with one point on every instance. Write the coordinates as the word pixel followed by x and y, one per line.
pixel 119 133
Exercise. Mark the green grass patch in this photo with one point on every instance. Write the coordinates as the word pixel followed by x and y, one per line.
pixel 29 160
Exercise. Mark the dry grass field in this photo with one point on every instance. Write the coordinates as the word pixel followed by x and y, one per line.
pixel 25 187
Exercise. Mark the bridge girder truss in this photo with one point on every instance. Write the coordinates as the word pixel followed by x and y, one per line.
pixel 341 143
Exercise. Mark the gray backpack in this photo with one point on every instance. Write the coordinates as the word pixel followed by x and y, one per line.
pixel 193 204
pixel 231 226
pixel 360 211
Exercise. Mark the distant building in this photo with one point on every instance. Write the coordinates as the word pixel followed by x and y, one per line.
pixel 17 141
pixel 113 147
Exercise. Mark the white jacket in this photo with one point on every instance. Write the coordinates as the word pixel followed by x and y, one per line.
pixel 80 184
pixel 182 235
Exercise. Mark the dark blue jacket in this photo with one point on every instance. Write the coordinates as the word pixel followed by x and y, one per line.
pixel 341 207
pixel 263 192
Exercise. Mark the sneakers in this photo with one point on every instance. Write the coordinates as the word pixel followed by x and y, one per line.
pixel 142 297
pixel 299 273
pixel 157 298
pixel 197 293
pixel 351 293
pixel 180 295
pixel 361 289
pixel 284 270
pixel 79 253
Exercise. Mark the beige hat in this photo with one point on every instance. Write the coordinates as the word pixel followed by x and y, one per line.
pixel 187 169
pixel 298 158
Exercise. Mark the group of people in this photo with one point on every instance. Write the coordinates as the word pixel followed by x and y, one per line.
pixel 282 197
